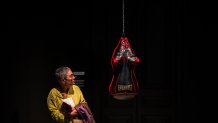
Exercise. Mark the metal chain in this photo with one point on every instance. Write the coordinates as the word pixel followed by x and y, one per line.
pixel 123 18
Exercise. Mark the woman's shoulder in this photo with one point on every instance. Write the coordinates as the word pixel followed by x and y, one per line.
pixel 54 91
pixel 74 86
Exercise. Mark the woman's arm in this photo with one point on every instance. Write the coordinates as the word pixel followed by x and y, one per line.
pixel 55 113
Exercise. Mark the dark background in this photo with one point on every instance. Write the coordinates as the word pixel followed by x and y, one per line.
pixel 173 39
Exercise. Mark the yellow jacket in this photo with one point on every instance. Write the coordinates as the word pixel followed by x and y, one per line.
pixel 54 102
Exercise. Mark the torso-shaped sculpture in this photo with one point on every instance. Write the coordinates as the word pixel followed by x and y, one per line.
pixel 123 61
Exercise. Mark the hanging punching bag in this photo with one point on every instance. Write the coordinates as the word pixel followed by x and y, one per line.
pixel 124 84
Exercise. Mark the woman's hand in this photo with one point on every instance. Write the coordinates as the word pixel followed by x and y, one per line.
pixel 64 95
pixel 74 113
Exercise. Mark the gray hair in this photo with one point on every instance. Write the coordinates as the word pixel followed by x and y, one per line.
pixel 61 72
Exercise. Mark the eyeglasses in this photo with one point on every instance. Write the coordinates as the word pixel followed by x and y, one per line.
pixel 72 75
pixel 71 78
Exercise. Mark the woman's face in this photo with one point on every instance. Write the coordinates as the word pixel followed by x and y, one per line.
pixel 70 79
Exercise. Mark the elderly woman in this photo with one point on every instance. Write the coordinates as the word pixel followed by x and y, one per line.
pixel 69 111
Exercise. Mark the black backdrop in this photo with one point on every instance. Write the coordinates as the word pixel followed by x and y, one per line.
pixel 168 36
